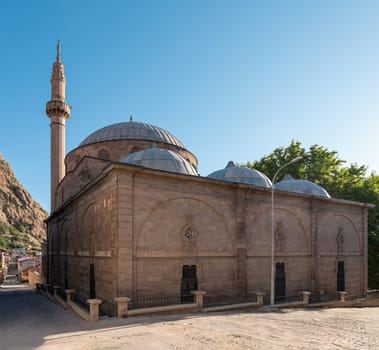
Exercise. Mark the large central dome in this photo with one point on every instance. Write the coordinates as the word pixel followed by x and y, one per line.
pixel 132 131
pixel 115 142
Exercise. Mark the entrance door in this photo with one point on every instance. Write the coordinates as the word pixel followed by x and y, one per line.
pixel 341 277
pixel 189 283
pixel 92 287
pixel 280 283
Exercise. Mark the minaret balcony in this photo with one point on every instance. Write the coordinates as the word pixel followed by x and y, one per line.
pixel 57 108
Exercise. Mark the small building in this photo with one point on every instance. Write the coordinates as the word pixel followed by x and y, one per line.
pixel 4 260
pixel 26 262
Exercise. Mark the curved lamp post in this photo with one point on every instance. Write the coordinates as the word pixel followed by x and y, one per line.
pixel 272 288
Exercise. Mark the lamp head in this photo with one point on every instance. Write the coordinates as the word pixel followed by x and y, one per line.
pixel 296 159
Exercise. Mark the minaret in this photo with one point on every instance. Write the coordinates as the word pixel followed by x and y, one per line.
pixel 58 111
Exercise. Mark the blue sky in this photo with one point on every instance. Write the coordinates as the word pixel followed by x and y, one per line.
pixel 231 79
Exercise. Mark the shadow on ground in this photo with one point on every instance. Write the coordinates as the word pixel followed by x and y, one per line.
pixel 28 320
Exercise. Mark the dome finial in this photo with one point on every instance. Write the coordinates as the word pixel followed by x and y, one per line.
pixel 230 164
pixel 58 51
pixel 131 119
pixel 288 177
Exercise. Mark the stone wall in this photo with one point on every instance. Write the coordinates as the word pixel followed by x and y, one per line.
pixel 115 150
pixel 85 233
pixel 139 227
pixel 231 237
pixel 180 223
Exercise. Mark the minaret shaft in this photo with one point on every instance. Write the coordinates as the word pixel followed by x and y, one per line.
pixel 58 111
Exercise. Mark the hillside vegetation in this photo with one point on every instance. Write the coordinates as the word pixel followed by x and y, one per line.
pixel 21 218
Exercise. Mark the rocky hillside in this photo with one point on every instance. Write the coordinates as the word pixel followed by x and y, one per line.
pixel 21 218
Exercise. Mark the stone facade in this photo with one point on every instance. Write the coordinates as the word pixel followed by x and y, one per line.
pixel 139 227
pixel 123 230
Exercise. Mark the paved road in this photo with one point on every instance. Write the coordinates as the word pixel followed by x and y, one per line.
pixel 26 318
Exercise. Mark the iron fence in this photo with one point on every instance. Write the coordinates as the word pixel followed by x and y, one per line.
pixel 153 301
pixel 62 294
pixel 221 300
pixel 80 301
pixel 323 298
pixel 50 289
pixel 367 295
pixel 288 299
pixel 373 293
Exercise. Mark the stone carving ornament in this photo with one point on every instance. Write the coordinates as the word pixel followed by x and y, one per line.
pixel 340 240
pixel 85 174
pixel 280 237
pixel 189 234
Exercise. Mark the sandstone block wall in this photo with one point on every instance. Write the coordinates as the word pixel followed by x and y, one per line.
pixel 140 227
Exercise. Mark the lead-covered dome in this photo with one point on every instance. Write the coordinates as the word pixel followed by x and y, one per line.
pixel 245 175
pixel 160 159
pixel 132 131
pixel 301 186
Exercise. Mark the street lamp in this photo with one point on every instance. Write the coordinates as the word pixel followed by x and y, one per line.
pixel 272 291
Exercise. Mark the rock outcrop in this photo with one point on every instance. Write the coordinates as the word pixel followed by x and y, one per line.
pixel 21 218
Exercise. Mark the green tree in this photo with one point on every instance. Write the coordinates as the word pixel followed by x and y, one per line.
pixel 269 164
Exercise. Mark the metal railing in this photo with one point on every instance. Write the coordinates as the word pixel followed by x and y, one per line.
pixel 80 301
pixel 50 289
pixel 361 296
pixel 288 299
pixel 153 301
pixel 221 300
pixel 62 294
pixel 323 298
pixel 373 293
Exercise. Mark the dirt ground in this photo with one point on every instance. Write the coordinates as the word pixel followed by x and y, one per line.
pixel 344 328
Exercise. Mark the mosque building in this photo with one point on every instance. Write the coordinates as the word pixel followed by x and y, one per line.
pixel 130 216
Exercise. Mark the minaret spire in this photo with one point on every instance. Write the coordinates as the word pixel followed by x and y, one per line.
pixel 58 51
pixel 58 111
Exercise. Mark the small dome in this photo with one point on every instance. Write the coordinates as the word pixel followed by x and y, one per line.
pixel 301 186
pixel 132 131
pixel 160 159
pixel 245 175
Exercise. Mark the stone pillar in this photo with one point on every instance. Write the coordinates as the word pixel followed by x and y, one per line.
pixel 55 290
pixel 260 296
pixel 305 295
pixel 342 296
pixel 199 298
pixel 122 306
pixel 69 292
pixel 241 213
pixel 314 248
pixel 94 309
pixel 364 262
